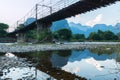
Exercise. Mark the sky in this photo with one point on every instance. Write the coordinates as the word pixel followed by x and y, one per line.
pixel 109 15
pixel 13 10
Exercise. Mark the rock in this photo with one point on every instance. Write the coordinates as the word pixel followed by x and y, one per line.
pixel 40 47
pixel 1 73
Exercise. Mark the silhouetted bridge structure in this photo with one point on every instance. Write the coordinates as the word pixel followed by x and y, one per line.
pixel 44 14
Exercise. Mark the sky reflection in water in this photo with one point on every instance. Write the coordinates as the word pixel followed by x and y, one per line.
pixel 90 65
pixel 84 63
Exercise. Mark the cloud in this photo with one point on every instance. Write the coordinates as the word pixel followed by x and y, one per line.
pixel 94 63
pixel 95 21
pixel 75 19
pixel 70 67
pixel 76 69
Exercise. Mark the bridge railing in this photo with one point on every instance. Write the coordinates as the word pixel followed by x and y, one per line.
pixel 55 7
pixel 42 11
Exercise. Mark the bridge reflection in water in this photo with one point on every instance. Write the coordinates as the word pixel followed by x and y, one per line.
pixel 72 65
pixel 46 64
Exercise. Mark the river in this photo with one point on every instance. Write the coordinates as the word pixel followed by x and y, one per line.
pixel 83 64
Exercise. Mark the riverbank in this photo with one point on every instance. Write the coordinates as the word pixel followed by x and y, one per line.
pixel 13 47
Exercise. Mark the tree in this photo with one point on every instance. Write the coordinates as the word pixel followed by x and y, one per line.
pixel 108 35
pixel 45 36
pixel 100 35
pixel 62 34
pixel 94 36
pixel 79 37
pixel 32 34
pixel 118 35
pixel 3 28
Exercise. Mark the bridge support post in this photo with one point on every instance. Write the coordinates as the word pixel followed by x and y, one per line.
pixel 21 37
pixel 43 32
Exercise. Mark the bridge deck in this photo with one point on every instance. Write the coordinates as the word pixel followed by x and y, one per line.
pixel 79 7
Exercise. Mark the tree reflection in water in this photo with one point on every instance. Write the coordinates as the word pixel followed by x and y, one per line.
pixel 69 65
pixel 110 50
pixel 45 62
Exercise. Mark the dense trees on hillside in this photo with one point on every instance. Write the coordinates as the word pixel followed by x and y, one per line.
pixel 65 34
pixel 62 34
pixel 78 37
pixel 100 35
pixel 108 35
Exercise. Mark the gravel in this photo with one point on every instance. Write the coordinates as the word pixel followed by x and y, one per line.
pixel 45 47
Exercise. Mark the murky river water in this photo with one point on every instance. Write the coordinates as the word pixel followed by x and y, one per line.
pixel 61 65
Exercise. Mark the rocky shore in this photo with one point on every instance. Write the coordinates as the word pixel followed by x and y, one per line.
pixel 15 68
pixel 46 47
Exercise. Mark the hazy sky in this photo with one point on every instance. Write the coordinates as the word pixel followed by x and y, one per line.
pixel 13 10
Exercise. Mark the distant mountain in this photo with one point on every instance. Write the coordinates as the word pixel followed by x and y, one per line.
pixel 104 27
pixel 59 25
pixel 78 28
pixel 86 30
pixel 29 21
pixel 117 26
pixel 79 55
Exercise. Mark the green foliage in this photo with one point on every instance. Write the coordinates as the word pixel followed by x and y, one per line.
pixel 44 35
pixel 94 36
pixel 28 34
pixel 31 34
pixel 108 35
pixel 78 37
pixel 65 35
pixel 100 35
pixel 118 35
pixel 62 34
pixel 3 28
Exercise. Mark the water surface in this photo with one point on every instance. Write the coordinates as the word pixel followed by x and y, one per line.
pixel 67 65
